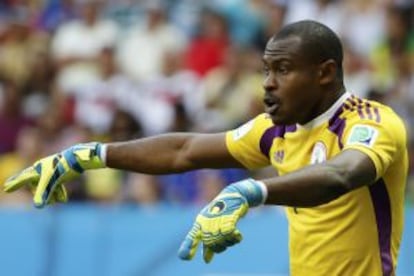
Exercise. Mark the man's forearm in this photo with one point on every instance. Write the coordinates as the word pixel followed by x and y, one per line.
pixel 155 155
pixel 318 184
pixel 171 153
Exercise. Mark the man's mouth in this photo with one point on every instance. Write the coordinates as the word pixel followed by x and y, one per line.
pixel 271 106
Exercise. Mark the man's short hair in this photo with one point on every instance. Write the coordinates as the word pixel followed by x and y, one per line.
pixel 318 42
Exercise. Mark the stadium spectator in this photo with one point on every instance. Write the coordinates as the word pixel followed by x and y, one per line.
pixel 274 18
pixel 28 150
pixel 246 18
pixel 19 47
pixel 179 89
pixel 329 12
pixel 226 85
pixel 96 103
pixel 142 48
pixel 12 119
pixel 77 44
pixel 55 13
pixel 393 49
pixel 207 48
pixel 363 24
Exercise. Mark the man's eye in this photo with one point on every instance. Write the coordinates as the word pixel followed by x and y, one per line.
pixel 283 69
pixel 266 71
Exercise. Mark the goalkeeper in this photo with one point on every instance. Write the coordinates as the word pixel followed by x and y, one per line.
pixel 341 160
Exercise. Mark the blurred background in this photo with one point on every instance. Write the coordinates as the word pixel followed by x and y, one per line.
pixel 112 70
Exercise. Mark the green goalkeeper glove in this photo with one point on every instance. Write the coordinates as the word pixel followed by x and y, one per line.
pixel 215 225
pixel 47 176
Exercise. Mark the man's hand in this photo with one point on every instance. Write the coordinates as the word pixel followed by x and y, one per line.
pixel 47 176
pixel 215 226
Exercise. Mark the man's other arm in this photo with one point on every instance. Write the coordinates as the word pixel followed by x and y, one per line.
pixel 321 183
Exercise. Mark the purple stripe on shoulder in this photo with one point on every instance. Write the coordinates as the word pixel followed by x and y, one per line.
pixel 360 112
pixel 368 110
pixel 351 100
pixel 348 105
pixel 337 125
pixel 270 134
pixel 382 207
pixel 377 115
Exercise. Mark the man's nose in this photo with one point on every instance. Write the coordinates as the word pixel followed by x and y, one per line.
pixel 270 83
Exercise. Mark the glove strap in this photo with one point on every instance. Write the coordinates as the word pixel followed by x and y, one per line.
pixel 73 163
pixel 254 191
pixel 82 157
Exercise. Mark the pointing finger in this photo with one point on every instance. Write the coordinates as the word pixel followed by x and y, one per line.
pixel 189 246
pixel 24 177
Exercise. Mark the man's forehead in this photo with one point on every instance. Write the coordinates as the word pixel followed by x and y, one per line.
pixel 289 47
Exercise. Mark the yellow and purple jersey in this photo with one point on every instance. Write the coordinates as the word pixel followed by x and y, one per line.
pixel 358 233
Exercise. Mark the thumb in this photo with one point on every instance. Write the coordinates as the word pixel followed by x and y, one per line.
pixel 49 176
pixel 60 194
pixel 189 246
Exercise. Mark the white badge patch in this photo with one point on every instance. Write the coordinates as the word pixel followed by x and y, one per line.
pixel 318 153
pixel 242 130
pixel 362 135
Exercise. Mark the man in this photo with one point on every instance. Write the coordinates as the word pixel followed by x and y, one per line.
pixel 342 164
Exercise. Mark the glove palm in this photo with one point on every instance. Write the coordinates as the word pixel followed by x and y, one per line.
pixel 215 226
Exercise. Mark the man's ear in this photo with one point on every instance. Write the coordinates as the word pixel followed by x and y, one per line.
pixel 327 72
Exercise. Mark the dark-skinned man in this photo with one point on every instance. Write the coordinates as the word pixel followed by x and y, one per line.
pixel 341 161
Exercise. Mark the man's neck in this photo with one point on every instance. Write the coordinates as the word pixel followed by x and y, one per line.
pixel 325 105
pixel 330 99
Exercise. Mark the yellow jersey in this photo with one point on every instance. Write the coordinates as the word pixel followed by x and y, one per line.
pixel 358 233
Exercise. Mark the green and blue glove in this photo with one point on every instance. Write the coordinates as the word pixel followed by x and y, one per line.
pixel 215 225
pixel 47 176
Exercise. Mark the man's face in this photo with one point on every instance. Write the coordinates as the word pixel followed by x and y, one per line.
pixel 291 83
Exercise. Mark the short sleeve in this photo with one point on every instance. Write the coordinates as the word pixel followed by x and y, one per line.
pixel 243 143
pixel 382 141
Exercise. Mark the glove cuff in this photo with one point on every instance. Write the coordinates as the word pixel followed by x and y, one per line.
pixel 94 160
pixel 84 157
pixel 254 191
pixel 101 152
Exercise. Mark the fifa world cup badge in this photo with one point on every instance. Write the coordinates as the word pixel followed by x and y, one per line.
pixel 318 153
pixel 363 135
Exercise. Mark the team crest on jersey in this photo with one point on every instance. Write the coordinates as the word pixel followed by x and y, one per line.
pixel 318 153
pixel 362 135
pixel 242 130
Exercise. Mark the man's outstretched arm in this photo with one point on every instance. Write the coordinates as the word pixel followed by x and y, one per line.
pixel 171 153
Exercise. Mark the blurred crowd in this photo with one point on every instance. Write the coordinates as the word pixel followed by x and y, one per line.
pixel 111 70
